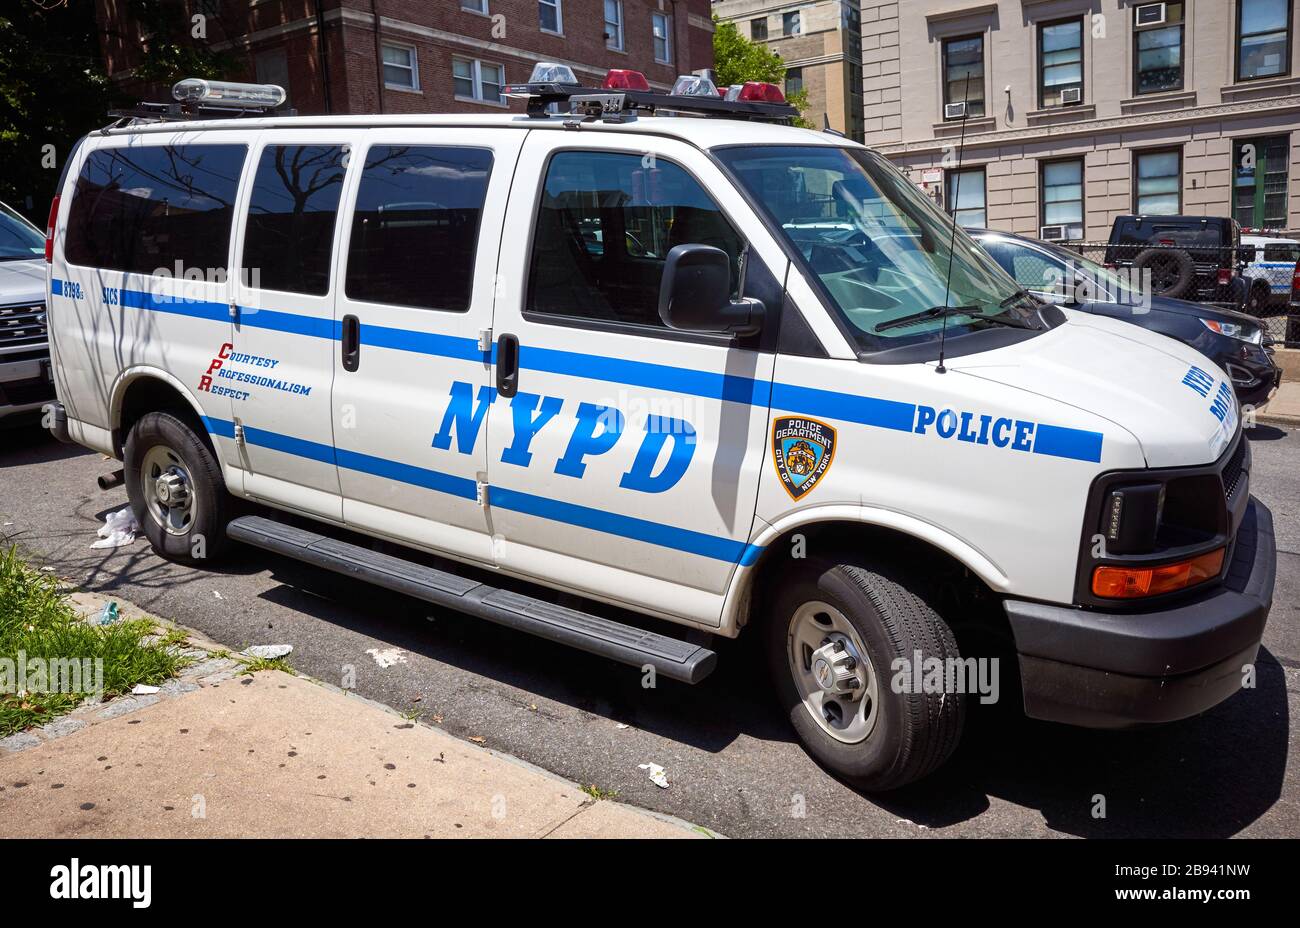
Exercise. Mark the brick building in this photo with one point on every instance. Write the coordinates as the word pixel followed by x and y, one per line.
pixel 1082 110
pixel 426 55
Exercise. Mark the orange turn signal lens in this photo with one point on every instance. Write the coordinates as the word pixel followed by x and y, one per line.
pixel 1133 582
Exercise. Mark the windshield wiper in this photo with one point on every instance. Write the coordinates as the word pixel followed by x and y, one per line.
pixel 934 312
pixel 1018 295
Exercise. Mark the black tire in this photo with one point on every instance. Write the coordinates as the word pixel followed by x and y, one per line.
pixel 1172 271
pixel 913 733
pixel 204 539
pixel 1257 299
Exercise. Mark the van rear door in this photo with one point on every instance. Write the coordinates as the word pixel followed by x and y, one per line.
pixel 418 271
pixel 278 368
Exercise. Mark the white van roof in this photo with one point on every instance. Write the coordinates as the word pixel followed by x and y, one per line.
pixel 702 132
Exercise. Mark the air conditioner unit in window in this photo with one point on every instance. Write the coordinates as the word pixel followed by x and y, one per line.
pixel 1071 96
pixel 954 111
pixel 1150 14
pixel 1052 233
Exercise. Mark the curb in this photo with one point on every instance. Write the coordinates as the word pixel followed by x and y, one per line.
pixel 210 667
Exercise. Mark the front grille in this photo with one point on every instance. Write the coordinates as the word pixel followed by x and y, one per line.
pixel 22 325
pixel 1234 472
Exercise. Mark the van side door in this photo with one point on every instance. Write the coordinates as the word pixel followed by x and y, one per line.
pixel 418 268
pixel 278 368
pixel 624 456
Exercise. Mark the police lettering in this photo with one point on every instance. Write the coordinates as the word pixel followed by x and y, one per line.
pixel 982 429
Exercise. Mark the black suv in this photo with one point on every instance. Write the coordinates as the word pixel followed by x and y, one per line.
pixel 1189 257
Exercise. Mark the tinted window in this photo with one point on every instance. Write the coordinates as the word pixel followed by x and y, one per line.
pixel 415 227
pixel 290 230
pixel 18 238
pixel 146 208
pixel 605 227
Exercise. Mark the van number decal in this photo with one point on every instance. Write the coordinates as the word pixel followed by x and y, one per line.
pixel 802 450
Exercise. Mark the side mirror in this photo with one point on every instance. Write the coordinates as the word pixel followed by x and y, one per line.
pixel 695 294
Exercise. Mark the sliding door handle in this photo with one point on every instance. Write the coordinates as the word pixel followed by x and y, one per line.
pixel 351 343
pixel 507 365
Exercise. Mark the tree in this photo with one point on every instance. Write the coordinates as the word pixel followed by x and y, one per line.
pixel 736 59
pixel 53 90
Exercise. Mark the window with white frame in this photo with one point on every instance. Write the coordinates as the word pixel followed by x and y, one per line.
pixel 614 24
pixel 477 80
pixel 1062 196
pixel 549 16
pixel 966 201
pixel 475 6
pixel 661 24
pixel 401 67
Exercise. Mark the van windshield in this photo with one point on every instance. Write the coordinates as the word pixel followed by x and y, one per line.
pixel 18 238
pixel 879 247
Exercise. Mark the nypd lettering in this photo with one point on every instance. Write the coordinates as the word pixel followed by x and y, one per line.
pixel 802 450
pixel 596 430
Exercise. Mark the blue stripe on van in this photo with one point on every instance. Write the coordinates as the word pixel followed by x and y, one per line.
pixel 847 407
pixel 655 533
pixel 1061 442
pixel 56 287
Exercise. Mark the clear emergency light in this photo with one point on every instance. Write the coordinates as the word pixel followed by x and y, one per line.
pixel 548 72
pixel 197 91
pixel 694 85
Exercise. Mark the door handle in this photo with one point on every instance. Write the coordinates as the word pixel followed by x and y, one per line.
pixel 351 343
pixel 507 365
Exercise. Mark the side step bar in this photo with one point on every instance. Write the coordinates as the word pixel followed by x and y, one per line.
pixel 674 659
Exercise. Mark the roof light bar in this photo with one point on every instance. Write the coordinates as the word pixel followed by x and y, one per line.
pixel 197 91
pixel 549 72
pixel 621 79
pixel 694 85
pixel 756 91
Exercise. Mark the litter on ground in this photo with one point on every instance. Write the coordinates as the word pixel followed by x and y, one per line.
pixel 658 776
pixel 269 651
pixel 119 529
pixel 387 657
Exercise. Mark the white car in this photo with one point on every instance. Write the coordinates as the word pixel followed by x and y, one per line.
pixel 1269 270
pixel 803 405
pixel 26 382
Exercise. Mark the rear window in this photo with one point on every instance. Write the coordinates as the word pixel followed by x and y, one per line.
pixel 157 209
pixel 415 226
pixel 1288 252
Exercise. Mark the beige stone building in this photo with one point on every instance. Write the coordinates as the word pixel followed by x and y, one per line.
pixel 1082 110
pixel 820 42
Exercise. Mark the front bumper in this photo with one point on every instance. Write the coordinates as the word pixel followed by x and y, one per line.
pixel 1118 670
pixel 25 385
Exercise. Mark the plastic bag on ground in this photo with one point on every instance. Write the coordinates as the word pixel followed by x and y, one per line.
pixel 119 528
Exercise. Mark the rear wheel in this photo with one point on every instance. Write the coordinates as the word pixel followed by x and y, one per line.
pixel 836 635
pixel 176 490
pixel 1257 299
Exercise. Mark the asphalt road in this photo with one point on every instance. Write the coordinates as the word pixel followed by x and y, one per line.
pixel 732 761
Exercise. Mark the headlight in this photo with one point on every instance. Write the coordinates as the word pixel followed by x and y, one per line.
pixel 1246 333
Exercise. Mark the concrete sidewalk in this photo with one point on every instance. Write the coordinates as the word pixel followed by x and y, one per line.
pixel 1284 407
pixel 217 755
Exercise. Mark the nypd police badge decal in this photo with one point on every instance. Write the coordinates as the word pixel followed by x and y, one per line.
pixel 802 450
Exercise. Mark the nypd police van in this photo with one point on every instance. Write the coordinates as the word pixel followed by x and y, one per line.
pixel 633 356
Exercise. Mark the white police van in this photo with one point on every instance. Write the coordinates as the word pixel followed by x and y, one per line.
pixel 718 371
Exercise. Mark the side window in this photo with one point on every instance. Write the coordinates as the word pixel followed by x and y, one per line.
pixel 1029 269
pixel 604 230
pixel 415 226
pixel 156 209
pixel 289 234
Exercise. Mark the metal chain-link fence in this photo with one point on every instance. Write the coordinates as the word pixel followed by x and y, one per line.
pixel 1231 278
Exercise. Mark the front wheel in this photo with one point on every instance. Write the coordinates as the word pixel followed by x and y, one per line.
pixel 176 490
pixel 836 636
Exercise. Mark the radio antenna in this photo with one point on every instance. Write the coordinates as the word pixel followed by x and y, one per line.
pixel 952 242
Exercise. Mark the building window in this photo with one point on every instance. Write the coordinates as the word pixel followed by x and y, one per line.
pixel 1260 180
pixel 793 80
pixel 415 201
pixel 614 24
pixel 965 198
pixel 272 67
pixel 1263 39
pixel 1158 48
pixel 758 29
pixel 549 16
pixel 661 25
pixel 1062 196
pixel 963 73
pixel 475 6
pixel 1060 61
pixel 401 67
pixel 791 23
pixel 1159 188
pixel 477 80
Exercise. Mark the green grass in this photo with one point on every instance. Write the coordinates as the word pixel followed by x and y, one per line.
pixel 37 620
pixel 254 664
pixel 595 792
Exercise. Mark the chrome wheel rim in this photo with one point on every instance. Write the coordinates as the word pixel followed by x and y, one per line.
pixel 832 672
pixel 168 490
